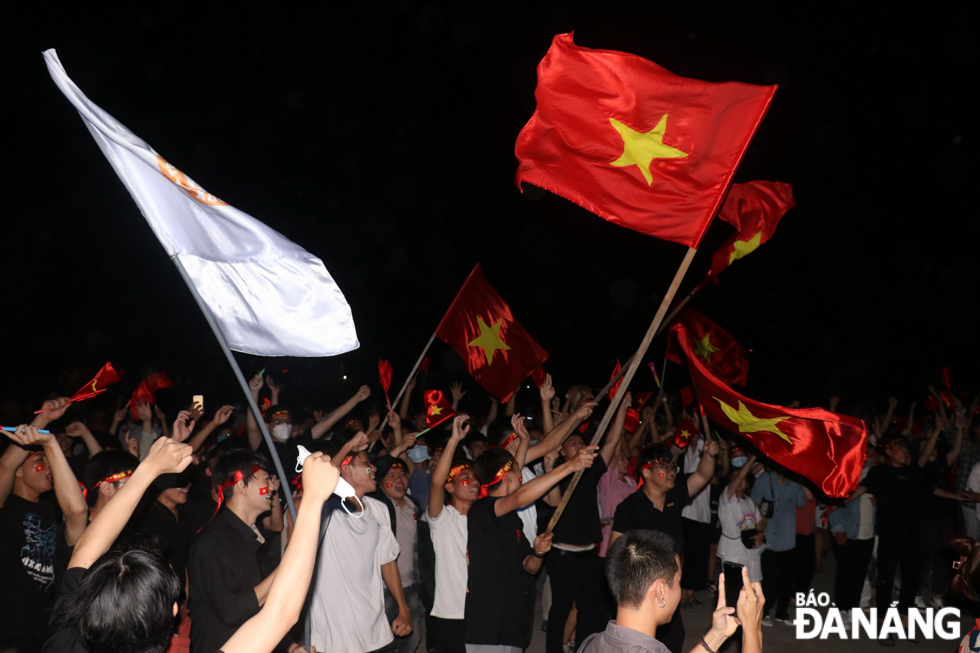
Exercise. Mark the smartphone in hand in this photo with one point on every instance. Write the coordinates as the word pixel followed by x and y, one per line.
pixel 733 582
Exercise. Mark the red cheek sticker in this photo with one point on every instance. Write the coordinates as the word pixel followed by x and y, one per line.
pixel 661 474
pixel 389 484
pixel 264 490
pixel 38 468
pixel 465 483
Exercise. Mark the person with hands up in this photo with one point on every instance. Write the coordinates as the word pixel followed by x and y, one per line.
pixel 499 603
pixel 140 587
pixel 35 543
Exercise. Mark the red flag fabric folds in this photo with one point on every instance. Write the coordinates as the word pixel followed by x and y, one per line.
pixel 105 377
pixel 384 375
pixel 498 352
pixel 144 391
pixel 424 365
pixel 755 209
pixel 827 448
pixel 615 388
pixel 633 143
pixel 437 409
pixel 720 352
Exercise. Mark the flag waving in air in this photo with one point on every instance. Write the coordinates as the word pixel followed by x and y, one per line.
pixel 633 143
pixel 498 352
pixel 437 408
pixel 827 448
pixel 685 433
pixel 755 209
pixel 105 377
pixel 719 352
pixel 384 374
pixel 267 295
pixel 146 389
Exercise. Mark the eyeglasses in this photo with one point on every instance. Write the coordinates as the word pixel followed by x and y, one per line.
pixel 279 420
pixel 670 467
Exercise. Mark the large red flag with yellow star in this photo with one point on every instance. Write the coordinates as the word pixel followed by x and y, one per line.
pixel 719 352
pixel 498 352
pixel 106 376
pixel 633 143
pixel 827 448
pixel 755 209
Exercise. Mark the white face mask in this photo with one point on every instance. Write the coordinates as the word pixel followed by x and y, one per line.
pixel 282 432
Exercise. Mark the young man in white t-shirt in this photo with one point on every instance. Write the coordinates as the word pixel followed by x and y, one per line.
pixel 448 528
pixel 357 560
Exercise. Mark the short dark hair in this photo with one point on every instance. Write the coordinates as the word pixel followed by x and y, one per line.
pixel 124 604
pixel 236 460
pixel 652 453
pixel 103 465
pixel 487 465
pixel 635 561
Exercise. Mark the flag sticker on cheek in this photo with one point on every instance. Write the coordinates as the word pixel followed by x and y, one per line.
pixel 38 468
pixel 661 474
pixel 263 491
pixel 389 484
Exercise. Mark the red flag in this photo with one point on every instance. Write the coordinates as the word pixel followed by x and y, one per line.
pixel 827 448
pixel 106 376
pixel 144 391
pixel 685 433
pixel 755 209
pixel 932 404
pixel 384 373
pixel 539 376
pixel 497 350
pixel 947 398
pixel 640 400
pixel 265 406
pixel 437 409
pixel 947 377
pixel 424 365
pixel 632 421
pixel 687 396
pixel 726 359
pixel 615 388
pixel 633 143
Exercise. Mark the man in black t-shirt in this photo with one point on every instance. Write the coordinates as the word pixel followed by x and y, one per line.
pixel 657 506
pixel 900 490
pixel 575 569
pixel 32 536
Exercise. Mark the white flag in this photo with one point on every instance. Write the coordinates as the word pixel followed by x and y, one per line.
pixel 268 295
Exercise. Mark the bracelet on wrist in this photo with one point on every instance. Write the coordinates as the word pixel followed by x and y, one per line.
pixel 540 556
pixel 705 646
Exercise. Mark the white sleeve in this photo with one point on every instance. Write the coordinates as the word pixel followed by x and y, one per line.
pixel 387 544
pixel 973 482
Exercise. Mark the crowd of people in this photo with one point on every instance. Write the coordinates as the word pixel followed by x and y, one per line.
pixel 135 533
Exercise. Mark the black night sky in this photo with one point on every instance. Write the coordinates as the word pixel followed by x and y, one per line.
pixel 380 136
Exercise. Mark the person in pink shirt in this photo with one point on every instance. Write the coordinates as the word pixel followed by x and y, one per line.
pixel 614 486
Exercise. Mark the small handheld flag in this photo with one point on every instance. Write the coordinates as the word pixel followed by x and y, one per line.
pixel 384 373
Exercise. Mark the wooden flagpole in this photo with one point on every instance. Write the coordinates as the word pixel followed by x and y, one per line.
pixel 418 363
pixel 652 331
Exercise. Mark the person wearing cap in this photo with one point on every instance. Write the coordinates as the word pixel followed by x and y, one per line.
pixel 357 561
pixel 227 587
pixel 448 528
pixel 503 563
pixel 34 542
pixel 416 559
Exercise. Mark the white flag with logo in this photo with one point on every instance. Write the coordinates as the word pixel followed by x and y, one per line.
pixel 268 295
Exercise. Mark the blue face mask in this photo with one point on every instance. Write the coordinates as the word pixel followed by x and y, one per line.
pixel 740 461
pixel 418 453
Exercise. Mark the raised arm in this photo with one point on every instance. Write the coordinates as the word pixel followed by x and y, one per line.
pixel 908 425
pixel 954 452
pixel 517 423
pixel 547 392
pixel 511 403
pixel 220 417
pixel 942 405
pixel 534 490
pixel 456 389
pixel 337 414
pixel 288 591
pixel 274 389
pixel 79 430
pixel 558 434
pixel 492 414
pixel 738 478
pixel 254 434
pixel 437 489
pixel 403 409
pixel 117 419
pixel 930 445
pixel 889 414
pixel 164 429
pixel 165 457
pixel 706 468
pixel 615 433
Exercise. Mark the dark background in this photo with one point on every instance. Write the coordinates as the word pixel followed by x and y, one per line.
pixel 379 136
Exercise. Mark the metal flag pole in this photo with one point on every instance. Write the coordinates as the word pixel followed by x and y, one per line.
pixel 418 363
pixel 627 378
pixel 241 380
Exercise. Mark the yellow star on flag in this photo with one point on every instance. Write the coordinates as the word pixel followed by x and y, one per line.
pixel 749 423
pixel 743 248
pixel 435 410
pixel 705 348
pixel 641 148
pixel 489 339
pixel 685 434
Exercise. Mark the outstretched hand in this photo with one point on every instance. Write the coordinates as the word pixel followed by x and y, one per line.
pixel 584 459
pixel 457 391
pixel 168 456
pixel 182 429
pixel 460 426
pixel 547 390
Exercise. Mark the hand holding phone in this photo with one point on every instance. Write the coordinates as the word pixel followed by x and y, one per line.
pixel 733 582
